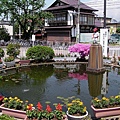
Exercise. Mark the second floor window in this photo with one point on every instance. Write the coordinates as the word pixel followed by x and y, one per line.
pixel 58 18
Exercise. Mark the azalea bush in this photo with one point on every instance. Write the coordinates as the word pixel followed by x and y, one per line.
pixel 15 103
pixel 112 101
pixel 80 50
pixel 39 113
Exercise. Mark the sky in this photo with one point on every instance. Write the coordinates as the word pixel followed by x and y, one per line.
pixel 49 2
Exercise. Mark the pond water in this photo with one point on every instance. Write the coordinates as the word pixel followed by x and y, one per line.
pixel 47 82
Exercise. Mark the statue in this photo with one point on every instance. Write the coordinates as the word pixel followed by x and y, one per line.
pixel 95 35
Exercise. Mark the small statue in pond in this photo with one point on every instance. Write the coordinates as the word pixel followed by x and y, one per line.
pixel 95 35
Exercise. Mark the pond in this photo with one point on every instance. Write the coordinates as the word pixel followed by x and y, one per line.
pixel 47 82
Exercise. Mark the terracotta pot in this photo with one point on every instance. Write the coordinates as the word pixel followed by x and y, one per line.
pixel 24 62
pixel 106 112
pixel 71 117
pixel 12 112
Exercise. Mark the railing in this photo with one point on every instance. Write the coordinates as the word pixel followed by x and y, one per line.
pixel 113 50
pixel 63 50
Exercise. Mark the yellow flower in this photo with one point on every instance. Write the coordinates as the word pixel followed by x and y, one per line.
pixel 70 104
pixel 21 101
pixel 26 101
pixel 10 98
pixel 31 105
pixel 73 101
pixel 117 96
pixel 15 98
pixel 104 98
pixel 5 98
pixel 84 109
pixel 68 108
pixel 81 103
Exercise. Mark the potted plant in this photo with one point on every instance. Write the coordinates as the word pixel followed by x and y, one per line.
pixel 13 50
pixel 24 61
pixel 106 106
pixel 47 114
pixel 6 117
pixel 76 110
pixel 9 61
pixel 14 107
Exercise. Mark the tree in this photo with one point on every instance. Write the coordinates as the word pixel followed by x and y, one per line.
pixel 118 30
pixel 27 13
pixel 4 35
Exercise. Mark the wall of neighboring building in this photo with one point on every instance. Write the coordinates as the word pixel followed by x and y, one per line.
pixel 8 27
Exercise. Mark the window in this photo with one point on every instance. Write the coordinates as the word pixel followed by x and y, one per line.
pixel 90 20
pixel 59 19
pixel 83 19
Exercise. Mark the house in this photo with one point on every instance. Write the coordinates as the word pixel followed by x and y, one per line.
pixel 8 26
pixel 99 21
pixel 62 27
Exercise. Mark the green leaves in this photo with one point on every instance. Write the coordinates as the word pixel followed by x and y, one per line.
pixel 26 13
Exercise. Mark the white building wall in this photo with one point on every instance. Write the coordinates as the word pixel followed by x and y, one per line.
pixel 9 28
pixel 70 17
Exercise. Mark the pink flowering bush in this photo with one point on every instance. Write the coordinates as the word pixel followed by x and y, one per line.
pixel 80 50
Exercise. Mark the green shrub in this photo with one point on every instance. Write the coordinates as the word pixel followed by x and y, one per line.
pixel 6 117
pixel 2 53
pixel 40 53
pixel 13 50
pixel 9 59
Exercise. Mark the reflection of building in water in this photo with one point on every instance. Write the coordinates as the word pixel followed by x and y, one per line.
pixel 104 85
pixel 95 84
pixel 70 67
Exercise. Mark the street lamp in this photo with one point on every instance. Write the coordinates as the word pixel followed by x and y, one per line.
pixel 78 24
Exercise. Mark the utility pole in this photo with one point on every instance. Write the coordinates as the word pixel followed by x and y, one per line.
pixel 104 13
pixel 78 24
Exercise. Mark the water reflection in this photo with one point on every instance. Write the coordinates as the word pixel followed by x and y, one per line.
pixel 95 84
pixel 47 82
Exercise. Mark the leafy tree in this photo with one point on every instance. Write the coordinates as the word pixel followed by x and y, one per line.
pixel 4 35
pixel 118 30
pixel 27 13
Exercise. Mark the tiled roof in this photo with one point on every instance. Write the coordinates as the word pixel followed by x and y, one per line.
pixel 72 3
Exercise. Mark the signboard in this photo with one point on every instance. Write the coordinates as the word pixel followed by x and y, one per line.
pixel 104 41
pixel 33 37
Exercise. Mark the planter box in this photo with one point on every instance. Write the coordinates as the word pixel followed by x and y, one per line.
pixel 24 62
pixel 106 112
pixel 11 112
pixel 10 64
pixel 1 66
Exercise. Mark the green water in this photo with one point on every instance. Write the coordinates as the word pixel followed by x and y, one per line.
pixel 47 82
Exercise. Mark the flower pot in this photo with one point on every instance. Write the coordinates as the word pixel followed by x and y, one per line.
pixel 72 117
pixel 12 112
pixel 106 112
pixel 24 62
pixel 1 66
pixel 10 64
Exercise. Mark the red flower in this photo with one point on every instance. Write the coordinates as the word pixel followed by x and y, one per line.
pixel 30 107
pixel 39 106
pixel 1 98
pixel 48 108
pixel 59 107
